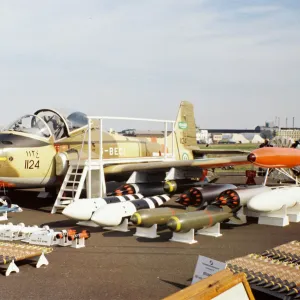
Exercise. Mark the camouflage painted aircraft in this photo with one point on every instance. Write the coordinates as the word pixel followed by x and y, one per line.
pixel 36 149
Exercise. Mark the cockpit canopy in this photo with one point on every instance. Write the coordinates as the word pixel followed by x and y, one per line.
pixel 47 122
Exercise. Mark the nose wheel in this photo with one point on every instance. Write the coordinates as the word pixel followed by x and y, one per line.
pixel 5 201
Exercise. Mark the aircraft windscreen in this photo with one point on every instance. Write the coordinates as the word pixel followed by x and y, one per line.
pixel 77 120
pixel 30 124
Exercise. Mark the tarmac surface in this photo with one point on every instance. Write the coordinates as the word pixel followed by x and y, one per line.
pixel 116 265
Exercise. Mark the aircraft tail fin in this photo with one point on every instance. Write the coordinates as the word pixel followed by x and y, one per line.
pixel 185 130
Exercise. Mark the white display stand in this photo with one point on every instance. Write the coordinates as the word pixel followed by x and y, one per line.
pixel 211 231
pixel 187 238
pixel 87 224
pixel 276 218
pixel 294 213
pixel 150 233
pixel 123 227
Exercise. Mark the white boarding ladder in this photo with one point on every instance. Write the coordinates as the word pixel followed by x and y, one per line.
pixel 73 183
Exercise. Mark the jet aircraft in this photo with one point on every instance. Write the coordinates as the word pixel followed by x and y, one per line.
pixel 36 149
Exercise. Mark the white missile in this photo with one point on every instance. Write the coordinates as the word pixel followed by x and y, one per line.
pixel 112 215
pixel 275 199
pixel 83 209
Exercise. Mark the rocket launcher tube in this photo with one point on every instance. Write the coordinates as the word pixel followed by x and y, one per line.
pixel 156 188
pixel 201 196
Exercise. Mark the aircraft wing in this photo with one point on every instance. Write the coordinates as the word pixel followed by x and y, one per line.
pixel 220 151
pixel 184 164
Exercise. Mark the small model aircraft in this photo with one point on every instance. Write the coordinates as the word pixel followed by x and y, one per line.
pixel 35 150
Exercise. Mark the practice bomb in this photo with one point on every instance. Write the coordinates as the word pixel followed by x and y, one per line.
pixel 159 216
pixel 201 219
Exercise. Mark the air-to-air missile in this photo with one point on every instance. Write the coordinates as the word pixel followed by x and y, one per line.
pixel 239 196
pixel 202 219
pixel 201 196
pixel 275 199
pixel 159 216
pixel 113 214
pixel 156 188
pixel 83 209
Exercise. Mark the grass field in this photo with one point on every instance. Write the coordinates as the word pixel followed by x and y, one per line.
pixel 249 146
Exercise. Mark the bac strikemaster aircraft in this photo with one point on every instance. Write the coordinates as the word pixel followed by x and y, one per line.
pixel 36 149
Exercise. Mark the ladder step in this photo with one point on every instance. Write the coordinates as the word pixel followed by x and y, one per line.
pixel 70 190
pixel 72 173
pixel 66 202
pixel 59 206
pixel 69 198
pixel 71 181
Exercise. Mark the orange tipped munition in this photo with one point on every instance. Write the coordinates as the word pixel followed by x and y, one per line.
pixel 63 234
pixel 275 157
pixel 83 234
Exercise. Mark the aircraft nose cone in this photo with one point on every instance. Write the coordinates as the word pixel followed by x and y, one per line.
pixel 107 216
pixel 81 209
pixel 251 157
pixel 173 224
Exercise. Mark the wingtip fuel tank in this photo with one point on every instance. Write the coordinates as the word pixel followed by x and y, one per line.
pixel 275 157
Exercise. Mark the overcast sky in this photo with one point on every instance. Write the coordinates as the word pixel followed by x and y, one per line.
pixel 237 61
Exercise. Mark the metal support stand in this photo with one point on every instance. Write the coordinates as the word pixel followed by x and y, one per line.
pixel 3 216
pixel 211 231
pixel 87 223
pixel 294 213
pixel 12 267
pixel 42 261
pixel 187 238
pixel 150 233
pixel 78 243
pixel 266 177
pixel 123 227
pixel 276 218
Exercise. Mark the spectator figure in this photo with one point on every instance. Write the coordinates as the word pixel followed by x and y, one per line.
pixel 295 145
pixel 266 143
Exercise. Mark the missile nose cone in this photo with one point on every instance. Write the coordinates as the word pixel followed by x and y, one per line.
pixel 251 157
pixel 174 224
pixel 107 216
pixel 80 209
pixel 136 219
